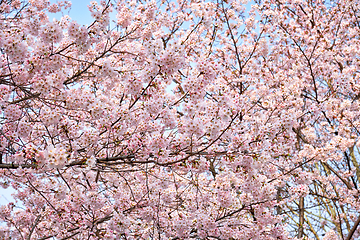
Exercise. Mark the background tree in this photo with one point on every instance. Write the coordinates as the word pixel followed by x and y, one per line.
pixel 178 120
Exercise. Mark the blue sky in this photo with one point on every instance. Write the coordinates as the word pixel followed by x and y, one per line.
pixel 79 12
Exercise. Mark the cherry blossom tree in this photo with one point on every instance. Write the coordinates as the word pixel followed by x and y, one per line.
pixel 181 120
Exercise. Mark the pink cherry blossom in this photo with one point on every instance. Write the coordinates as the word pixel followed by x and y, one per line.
pixel 180 120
